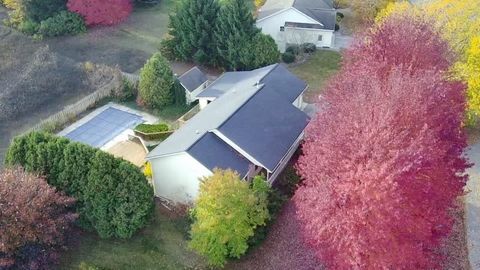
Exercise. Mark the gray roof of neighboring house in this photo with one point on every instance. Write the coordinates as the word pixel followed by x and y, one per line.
pixel 319 10
pixel 192 79
pixel 259 117
pixel 229 80
pixel 210 147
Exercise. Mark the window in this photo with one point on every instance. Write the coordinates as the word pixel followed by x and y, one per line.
pixel 320 37
pixel 282 28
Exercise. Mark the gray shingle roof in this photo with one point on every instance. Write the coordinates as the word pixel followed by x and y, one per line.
pixel 192 79
pixel 320 10
pixel 260 119
pixel 208 149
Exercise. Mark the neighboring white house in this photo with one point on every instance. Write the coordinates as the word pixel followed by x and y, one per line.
pixel 253 123
pixel 194 82
pixel 298 22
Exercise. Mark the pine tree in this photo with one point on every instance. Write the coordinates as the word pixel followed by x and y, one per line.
pixel 234 30
pixel 191 27
pixel 157 83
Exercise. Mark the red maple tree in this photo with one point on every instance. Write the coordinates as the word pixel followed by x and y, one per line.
pixel 33 220
pixel 383 159
pixel 104 12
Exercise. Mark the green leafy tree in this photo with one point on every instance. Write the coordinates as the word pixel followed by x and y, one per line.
pixel 191 30
pixel 233 33
pixel 39 10
pixel 226 214
pixel 113 196
pixel 263 52
pixel 157 83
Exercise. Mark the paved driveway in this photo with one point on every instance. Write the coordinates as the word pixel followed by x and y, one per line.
pixel 472 212
pixel 342 41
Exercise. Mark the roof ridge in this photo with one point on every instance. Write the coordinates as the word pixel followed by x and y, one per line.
pixel 194 67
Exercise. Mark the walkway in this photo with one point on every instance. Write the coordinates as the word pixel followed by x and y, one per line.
pixel 472 211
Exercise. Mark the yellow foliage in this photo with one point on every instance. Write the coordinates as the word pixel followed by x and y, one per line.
pixel 395 9
pixel 458 21
pixel 367 10
pixel 12 4
pixel 147 170
pixel 471 73
pixel 259 3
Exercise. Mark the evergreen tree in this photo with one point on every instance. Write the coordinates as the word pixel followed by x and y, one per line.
pixel 157 83
pixel 233 33
pixel 191 29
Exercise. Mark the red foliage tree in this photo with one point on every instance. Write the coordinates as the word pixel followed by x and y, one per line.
pixel 382 161
pixel 104 12
pixel 402 40
pixel 33 219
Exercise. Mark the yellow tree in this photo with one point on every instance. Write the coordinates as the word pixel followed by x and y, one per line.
pixel 366 10
pixel 470 71
pixel 226 213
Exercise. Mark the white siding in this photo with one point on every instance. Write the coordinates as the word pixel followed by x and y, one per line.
pixel 191 97
pixel 271 26
pixel 302 35
pixel 176 177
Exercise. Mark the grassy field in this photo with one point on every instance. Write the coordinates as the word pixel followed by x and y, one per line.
pixel 161 245
pixel 317 70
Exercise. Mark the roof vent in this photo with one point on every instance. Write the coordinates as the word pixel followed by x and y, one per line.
pixel 197 131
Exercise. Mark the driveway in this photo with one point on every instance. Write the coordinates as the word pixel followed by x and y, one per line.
pixel 472 208
pixel 342 41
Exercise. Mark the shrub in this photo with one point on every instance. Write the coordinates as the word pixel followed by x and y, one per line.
pixel 293 49
pixel 288 181
pixel 148 128
pixel 105 12
pixel 157 83
pixel 308 47
pixel 226 214
pixel 61 24
pixel 40 10
pixel 264 51
pixel 34 220
pixel 127 92
pixel 28 27
pixel 113 196
pixel 288 57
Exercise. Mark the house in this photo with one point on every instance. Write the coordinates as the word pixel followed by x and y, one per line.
pixel 298 21
pixel 193 81
pixel 252 122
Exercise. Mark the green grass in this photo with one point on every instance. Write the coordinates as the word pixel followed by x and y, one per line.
pixel 162 245
pixel 317 70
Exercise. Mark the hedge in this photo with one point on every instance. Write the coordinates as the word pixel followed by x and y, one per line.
pixel 147 128
pixel 113 196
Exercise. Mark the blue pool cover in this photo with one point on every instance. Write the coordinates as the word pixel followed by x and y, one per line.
pixel 104 127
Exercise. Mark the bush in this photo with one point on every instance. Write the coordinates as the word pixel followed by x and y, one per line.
pixel 127 92
pixel 148 128
pixel 28 27
pixel 226 214
pixel 308 47
pixel 113 196
pixel 340 15
pixel 288 57
pixel 157 83
pixel 62 23
pixel 337 27
pixel 293 49
pixel 28 236
pixel 288 181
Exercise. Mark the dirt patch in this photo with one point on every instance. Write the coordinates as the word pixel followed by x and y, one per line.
pixel 36 82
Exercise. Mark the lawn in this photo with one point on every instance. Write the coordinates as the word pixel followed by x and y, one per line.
pixel 317 70
pixel 161 245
